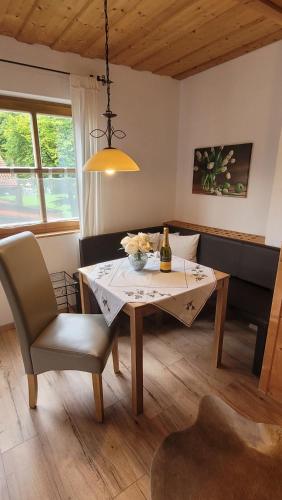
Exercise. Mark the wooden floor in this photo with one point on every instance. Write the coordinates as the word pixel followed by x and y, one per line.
pixel 59 452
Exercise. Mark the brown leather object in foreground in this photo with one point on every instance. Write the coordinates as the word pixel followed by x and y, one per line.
pixel 222 456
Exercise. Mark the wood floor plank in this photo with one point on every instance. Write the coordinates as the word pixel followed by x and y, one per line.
pixel 16 423
pixel 144 485
pixel 133 492
pixel 121 386
pixel 27 472
pixel 104 446
pixel 4 494
pixel 73 466
pixel 166 355
pixel 59 451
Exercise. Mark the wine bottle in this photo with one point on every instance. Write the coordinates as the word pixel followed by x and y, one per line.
pixel 165 254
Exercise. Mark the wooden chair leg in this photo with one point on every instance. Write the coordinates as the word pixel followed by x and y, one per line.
pixel 32 390
pixel 115 356
pixel 98 396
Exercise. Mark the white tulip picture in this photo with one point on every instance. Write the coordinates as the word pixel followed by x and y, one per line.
pixel 222 170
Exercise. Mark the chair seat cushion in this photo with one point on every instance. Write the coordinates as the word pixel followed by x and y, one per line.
pixel 73 342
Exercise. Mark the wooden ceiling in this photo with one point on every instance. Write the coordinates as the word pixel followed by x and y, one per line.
pixel 169 37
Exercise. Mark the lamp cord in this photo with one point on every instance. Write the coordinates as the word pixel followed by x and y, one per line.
pixel 108 82
pixel 110 132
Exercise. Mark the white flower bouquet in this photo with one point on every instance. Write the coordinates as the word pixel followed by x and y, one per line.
pixel 139 243
pixel 137 247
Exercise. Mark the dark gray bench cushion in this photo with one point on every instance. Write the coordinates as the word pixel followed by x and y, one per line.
pixel 258 264
pixel 219 253
pixel 253 301
pixel 250 262
pixel 103 247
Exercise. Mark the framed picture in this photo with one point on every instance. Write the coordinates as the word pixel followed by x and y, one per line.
pixel 222 170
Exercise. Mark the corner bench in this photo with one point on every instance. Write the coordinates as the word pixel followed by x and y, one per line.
pixel 251 264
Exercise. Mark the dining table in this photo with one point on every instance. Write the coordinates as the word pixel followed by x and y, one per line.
pixel 137 311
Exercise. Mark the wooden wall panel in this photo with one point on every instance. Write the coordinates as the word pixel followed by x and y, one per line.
pixel 271 375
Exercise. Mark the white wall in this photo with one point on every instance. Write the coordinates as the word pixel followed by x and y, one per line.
pixel 239 101
pixel 274 221
pixel 147 106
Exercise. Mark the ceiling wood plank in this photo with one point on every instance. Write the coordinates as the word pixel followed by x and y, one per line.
pixel 269 9
pixel 247 34
pixel 27 17
pixel 168 37
pixel 146 16
pixel 88 25
pixel 77 33
pixel 231 20
pixel 41 26
pixel 176 28
pixel 4 4
pixel 14 16
pixel 239 51
pixel 64 37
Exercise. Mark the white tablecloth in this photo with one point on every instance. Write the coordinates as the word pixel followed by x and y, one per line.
pixel 182 293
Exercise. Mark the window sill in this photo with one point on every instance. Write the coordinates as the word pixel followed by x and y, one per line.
pixel 43 230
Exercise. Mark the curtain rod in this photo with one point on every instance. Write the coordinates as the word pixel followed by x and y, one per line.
pixel 36 67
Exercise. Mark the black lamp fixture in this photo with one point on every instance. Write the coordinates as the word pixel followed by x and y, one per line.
pixel 110 159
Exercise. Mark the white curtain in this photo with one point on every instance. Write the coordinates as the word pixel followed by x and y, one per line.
pixel 84 92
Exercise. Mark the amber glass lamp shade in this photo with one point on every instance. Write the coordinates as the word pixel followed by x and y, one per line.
pixel 111 160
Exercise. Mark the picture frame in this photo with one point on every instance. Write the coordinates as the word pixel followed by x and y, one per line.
pixel 222 170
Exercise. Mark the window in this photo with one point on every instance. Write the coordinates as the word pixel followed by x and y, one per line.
pixel 37 167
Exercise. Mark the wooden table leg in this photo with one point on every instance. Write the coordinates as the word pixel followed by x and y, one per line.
pixel 220 314
pixel 84 295
pixel 136 333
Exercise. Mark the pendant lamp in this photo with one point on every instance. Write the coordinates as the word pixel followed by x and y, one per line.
pixel 110 159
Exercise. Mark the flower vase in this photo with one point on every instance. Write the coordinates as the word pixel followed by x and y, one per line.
pixel 138 260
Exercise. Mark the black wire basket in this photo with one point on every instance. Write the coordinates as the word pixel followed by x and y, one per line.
pixel 66 291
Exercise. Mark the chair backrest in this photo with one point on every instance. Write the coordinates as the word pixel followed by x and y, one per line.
pixel 28 287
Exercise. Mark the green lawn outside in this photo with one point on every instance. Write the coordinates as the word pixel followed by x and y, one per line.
pixel 58 202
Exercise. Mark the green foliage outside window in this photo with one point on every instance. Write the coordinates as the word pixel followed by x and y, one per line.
pixel 55 136
pixel 20 200
pixel 15 139
pixel 56 141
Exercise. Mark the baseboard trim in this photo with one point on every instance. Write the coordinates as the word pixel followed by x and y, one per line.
pixel 7 327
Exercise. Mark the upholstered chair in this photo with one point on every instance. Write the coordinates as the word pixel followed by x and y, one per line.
pixel 49 340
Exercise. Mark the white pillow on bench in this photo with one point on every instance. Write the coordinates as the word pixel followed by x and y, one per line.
pixel 184 246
